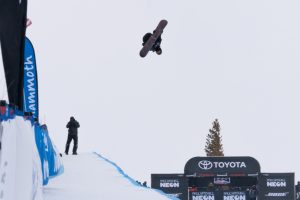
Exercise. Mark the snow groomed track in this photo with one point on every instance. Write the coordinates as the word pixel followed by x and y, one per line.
pixel 93 177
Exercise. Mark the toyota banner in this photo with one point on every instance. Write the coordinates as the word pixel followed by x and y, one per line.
pixel 174 185
pixel 276 186
pixel 222 165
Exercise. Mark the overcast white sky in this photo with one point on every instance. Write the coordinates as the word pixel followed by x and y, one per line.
pixel 237 61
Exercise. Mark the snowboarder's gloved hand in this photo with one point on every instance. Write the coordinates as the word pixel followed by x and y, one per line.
pixel 158 51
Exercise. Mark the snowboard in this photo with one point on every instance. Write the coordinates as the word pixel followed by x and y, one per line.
pixel 158 31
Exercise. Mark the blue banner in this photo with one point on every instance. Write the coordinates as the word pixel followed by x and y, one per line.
pixel 55 165
pixel 42 146
pixel 30 81
pixel 50 159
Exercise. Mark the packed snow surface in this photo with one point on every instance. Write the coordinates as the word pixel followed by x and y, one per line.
pixel 89 176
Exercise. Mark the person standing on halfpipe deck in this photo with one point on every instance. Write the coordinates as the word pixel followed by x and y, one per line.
pixel 72 125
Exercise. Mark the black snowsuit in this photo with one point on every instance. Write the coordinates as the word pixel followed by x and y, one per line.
pixel 72 125
pixel 156 46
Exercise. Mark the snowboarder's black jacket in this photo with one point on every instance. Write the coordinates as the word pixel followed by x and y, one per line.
pixel 73 125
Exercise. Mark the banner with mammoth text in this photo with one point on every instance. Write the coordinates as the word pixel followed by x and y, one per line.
pixel 30 81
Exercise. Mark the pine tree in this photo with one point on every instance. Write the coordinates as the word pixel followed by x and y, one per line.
pixel 214 145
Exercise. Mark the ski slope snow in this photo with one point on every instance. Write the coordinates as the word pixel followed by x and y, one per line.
pixel 93 177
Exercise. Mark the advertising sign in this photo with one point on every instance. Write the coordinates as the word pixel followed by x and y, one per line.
pixel 247 165
pixel 298 191
pixel 173 184
pixel 30 81
pixel 202 196
pixel 234 195
pixel 218 195
pixel 222 180
pixel 276 186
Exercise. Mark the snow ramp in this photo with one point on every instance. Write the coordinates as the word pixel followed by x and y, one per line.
pixel 93 177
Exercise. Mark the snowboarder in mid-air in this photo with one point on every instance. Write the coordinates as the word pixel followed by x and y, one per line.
pixel 151 42
pixel 156 45
pixel 72 125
